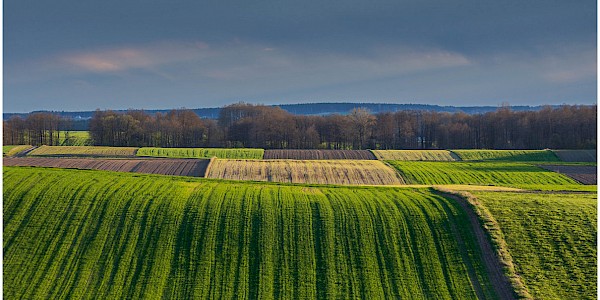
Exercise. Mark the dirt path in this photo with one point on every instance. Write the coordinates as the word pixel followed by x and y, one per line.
pixel 493 266
pixel 25 152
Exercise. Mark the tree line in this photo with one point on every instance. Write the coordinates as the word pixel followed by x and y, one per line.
pixel 259 126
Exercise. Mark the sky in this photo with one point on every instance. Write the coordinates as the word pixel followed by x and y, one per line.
pixel 160 54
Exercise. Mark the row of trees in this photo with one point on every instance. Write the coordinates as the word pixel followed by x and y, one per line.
pixel 36 129
pixel 258 126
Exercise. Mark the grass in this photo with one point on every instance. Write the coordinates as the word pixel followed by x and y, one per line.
pixel 12 150
pixel 83 151
pixel 76 138
pixel 412 155
pixel 359 172
pixel 477 173
pixel 97 234
pixel 234 153
pixel 552 240
pixel 507 155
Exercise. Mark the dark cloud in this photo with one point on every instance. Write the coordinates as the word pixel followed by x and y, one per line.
pixel 206 53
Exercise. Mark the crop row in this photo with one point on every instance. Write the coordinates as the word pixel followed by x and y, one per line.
pixel 101 151
pixel 370 172
pixel 235 153
pixel 94 234
pixel 313 154
pixel 552 240
pixel 179 167
pixel 477 173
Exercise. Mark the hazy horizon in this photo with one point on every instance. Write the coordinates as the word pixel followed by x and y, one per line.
pixel 75 56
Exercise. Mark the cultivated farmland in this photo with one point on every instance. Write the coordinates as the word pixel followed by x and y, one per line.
pixel 583 174
pixel 13 150
pixel 96 234
pixel 83 151
pixel 75 138
pixel 552 240
pixel 180 167
pixel 577 155
pixel 234 153
pixel 416 155
pixel 318 154
pixel 477 173
pixel 369 172
pixel 507 155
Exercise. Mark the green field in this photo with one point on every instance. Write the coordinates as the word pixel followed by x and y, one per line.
pixel 234 153
pixel 75 138
pixel 411 155
pixel 477 173
pixel 552 239
pixel 507 155
pixel 11 150
pixel 105 235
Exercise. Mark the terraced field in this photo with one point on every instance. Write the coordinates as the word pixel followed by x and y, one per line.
pixel 416 155
pixel 97 234
pixel 507 155
pixel 179 167
pixel 12 150
pixel 359 172
pixel 235 153
pixel 83 151
pixel 318 154
pixel 477 173
pixel 577 155
pixel 552 240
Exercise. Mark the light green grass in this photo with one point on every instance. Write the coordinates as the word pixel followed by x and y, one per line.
pixel 552 240
pixel 560 187
pixel 11 150
pixel 76 138
pixel 83 151
pixel 477 173
pixel 507 155
pixel 234 153
pixel 105 235
pixel 411 155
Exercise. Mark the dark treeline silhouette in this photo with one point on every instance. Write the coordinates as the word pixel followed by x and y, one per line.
pixel 259 126
pixel 35 129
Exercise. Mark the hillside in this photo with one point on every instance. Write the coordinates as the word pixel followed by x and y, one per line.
pixel 96 234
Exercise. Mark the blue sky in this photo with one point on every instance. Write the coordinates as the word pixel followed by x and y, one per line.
pixel 83 55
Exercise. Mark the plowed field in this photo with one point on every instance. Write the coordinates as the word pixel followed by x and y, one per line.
pixel 583 174
pixel 319 154
pixel 89 151
pixel 179 167
pixel 577 155
pixel 368 172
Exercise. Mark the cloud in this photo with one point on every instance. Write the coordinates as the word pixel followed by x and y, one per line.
pixel 133 57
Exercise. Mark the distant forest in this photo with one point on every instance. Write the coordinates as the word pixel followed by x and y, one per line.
pixel 269 127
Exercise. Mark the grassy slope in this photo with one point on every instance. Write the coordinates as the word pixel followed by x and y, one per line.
pixel 552 239
pixel 482 173
pixel 426 155
pixel 507 155
pixel 11 150
pixel 83 151
pixel 235 153
pixel 72 233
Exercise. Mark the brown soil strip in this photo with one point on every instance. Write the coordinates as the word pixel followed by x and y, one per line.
pixel 178 167
pixel 582 174
pixel 307 154
pixel 493 265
